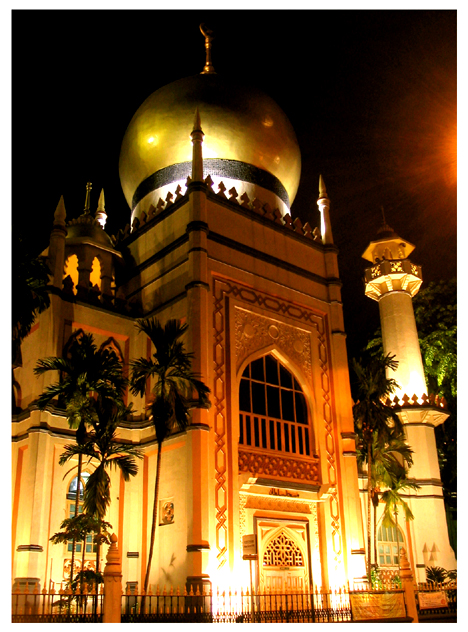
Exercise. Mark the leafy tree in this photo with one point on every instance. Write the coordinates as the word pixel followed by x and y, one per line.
pixel 388 466
pixel 393 500
pixel 86 375
pixel 174 385
pixel 30 277
pixel 103 452
pixel 373 417
pixel 77 529
pixel 435 311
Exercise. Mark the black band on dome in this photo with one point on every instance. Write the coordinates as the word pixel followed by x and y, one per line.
pixel 220 167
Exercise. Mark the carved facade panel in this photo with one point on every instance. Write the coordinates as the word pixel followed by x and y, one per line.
pixel 254 332
pixel 271 465
pixel 272 503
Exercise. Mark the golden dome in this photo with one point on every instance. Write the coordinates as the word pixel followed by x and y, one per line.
pixel 247 138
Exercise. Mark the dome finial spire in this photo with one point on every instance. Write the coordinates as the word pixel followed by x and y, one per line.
pixel 208 34
pixel 87 198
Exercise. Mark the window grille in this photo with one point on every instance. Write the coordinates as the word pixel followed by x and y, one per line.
pixel 282 551
pixel 273 409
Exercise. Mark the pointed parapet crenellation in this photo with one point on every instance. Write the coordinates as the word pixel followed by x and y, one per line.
pixel 169 197
pixel 268 213
pixel 277 217
pixel 233 195
pixel 245 201
pixel 257 206
pixel 178 193
pixel 287 221
pixel 297 224
pixel 316 234
pixel 209 182
pixel 221 190
pixel 307 230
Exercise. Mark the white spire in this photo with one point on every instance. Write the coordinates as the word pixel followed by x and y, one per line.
pixel 101 214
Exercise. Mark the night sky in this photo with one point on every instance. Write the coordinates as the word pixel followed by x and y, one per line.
pixel 371 96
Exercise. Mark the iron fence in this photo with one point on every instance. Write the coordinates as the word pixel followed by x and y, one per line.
pixel 437 602
pixel 56 606
pixel 236 607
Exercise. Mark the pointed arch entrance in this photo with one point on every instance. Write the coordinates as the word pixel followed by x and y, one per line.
pixel 283 556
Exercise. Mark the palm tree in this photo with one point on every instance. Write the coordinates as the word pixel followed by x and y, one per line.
pixel 86 375
pixel 103 452
pixel 393 500
pixel 372 416
pixel 78 529
pixel 388 465
pixel 172 394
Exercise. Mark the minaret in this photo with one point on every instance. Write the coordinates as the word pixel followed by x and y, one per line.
pixel 393 280
pixel 324 207
pixel 197 151
pixel 56 257
pixel 198 316
pixel 101 214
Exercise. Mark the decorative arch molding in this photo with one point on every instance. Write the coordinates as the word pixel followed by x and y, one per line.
pixel 75 336
pixel 112 345
pixel 270 331
pixel 254 333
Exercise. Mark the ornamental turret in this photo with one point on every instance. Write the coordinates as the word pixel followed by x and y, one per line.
pixel 393 280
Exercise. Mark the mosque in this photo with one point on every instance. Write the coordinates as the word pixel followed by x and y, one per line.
pixel 209 169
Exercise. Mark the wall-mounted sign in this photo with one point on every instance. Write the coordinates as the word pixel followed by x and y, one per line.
pixel 249 546
pixel 432 600
pixel 283 492
pixel 367 606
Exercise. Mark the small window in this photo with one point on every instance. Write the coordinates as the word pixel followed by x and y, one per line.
pixel 90 546
pixel 389 540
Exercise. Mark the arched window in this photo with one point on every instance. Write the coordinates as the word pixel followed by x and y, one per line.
pixel 71 270
pixel 90 547
pixel 273 410
pixel 388 545
pixel 95 277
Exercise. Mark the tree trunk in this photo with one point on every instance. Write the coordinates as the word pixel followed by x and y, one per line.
pixel 369 502
pixel 375 502
pixel 77 502
pixel 155 518
pixel 397 543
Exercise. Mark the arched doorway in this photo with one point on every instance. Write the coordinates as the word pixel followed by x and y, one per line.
pixel 283 556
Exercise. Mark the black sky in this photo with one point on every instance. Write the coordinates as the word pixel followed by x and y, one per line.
pixel 371 96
